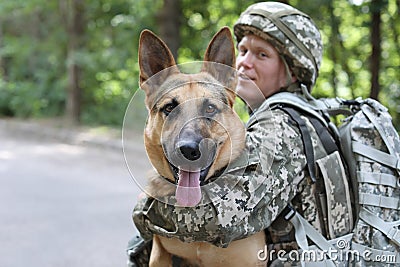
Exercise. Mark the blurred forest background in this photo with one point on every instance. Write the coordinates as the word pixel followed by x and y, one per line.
pixel 77 59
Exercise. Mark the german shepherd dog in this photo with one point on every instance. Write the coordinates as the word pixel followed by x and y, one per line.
pixel 192 133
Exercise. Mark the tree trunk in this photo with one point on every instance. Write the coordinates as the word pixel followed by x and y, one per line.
pixel 169 21
pixel 73 11
pixel 336 43
pixel 333 41
pixel 2 62
pixel 375 58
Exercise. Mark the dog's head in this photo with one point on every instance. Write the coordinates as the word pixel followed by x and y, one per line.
pixel 192 131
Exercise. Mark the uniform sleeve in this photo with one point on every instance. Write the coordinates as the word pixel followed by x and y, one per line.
pixel 246 199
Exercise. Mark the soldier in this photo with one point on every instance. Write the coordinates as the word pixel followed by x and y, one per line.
pixel 279 49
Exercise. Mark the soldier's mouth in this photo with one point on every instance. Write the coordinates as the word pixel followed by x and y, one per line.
pixel 245 77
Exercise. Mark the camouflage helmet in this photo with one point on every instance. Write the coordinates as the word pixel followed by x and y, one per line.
pixel 290 31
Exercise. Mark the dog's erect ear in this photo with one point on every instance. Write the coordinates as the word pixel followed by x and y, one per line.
pixel 222 50
pixel 154 56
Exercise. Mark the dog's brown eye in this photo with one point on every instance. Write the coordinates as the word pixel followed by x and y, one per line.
pixel 210 109
pixel 168 108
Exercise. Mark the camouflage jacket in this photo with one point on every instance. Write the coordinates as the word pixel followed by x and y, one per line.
pixel 250 196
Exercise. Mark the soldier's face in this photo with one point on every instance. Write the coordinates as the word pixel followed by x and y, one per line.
pixel 258 63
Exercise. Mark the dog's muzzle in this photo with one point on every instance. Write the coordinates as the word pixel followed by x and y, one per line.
pixel 193 155
pixel 191 160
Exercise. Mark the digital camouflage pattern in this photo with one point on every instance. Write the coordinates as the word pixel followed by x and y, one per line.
pixel 331 190
pixel 337 196
pixel 377 183
pixel 290 31
pixel 371 149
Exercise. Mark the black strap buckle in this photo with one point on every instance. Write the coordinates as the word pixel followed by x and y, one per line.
pixel 288 212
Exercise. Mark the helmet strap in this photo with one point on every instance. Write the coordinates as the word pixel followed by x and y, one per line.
pixel 275 18
pixel 289 75
pixel 306 92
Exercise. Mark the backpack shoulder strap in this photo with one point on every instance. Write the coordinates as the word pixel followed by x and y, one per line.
pixel 316 111
pixel 296 101
pixel 306 137
pixel 298 109
pixel 304 230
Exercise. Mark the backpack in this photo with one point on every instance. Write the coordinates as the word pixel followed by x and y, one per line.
pixel 369 152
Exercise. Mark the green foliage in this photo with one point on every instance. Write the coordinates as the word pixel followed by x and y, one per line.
pixel 34 45
pixel 111 57
pixel 202 19
pixel 31 84
pixel 241 109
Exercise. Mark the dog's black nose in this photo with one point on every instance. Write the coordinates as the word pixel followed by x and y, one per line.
pixel 190 150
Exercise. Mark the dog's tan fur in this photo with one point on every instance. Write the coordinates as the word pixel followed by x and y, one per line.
pixel 169 84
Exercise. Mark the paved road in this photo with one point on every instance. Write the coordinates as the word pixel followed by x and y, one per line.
pixel 62 204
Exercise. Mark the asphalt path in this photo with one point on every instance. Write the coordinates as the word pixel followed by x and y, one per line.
pixel 63 204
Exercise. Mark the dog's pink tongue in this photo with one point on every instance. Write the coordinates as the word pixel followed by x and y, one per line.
pixel 188 192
